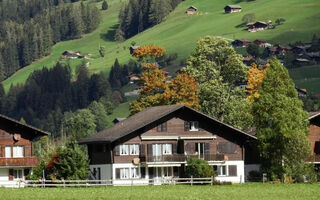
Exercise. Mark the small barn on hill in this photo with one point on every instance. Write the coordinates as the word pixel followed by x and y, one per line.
pixel 132 48
pixel 257 26
pixel 232 8
pixel 191 10
pixel 240 43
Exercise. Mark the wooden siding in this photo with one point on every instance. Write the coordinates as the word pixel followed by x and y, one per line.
pixel 314 136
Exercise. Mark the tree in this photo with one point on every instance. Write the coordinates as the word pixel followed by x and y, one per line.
pixel 100 115
pixel 279 21
pixel 250 17
pixel 199 168
pixel 156 90
pixel 253 50
pixel 69 162
pixel 255 78
pixel 281 124
pixel 218 70
pixel 102 51
pixel 104 5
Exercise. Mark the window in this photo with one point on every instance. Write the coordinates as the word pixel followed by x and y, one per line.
pixel 232 169
pixel 226 147
pixel 124 173
pixel 221 170
pixel 135 172
pixel 162 127
pixel 17 173
pixel 8 151
pixel 134 149
pixel 167 149
pixel 316 149
pixel 18 151
pixel 124 149
pixel 191 126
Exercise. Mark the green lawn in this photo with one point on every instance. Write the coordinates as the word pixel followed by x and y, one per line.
pixel 307 77
pixel 180 32
pixel 254 191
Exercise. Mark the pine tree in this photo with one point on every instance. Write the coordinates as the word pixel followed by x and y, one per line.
pixel 104 5
pixel 281 124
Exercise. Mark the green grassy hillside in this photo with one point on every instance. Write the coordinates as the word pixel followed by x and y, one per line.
pixel 180 32
pixel 307 77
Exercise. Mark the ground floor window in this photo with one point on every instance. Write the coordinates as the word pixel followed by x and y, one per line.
pixel 221 170
pixel 124 173
pixel 17 174
pixel 135 172
pixel 225 170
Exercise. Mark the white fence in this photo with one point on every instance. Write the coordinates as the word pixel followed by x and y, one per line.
pixel 90 183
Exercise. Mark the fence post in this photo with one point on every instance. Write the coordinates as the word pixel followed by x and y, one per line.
pixel 211 180
pixel 191 180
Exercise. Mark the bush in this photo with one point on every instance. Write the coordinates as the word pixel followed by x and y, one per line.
pixel 199 168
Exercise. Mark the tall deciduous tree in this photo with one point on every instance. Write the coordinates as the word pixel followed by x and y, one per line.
pixel 255 78
pixel 218 69
pixel 281 123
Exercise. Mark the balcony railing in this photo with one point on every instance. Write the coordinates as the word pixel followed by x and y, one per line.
pixel 15 162
pixel 182 158
pixel 314 158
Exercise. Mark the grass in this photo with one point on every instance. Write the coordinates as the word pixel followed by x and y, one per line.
pixel 307 77
pixel 245 191
pixel 180 32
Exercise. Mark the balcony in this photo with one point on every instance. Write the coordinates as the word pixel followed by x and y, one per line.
pixel 19 162
pixel 181 158
pixel 314 158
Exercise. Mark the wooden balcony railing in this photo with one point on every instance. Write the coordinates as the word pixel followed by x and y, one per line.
pixel 181 158
pixel 15 162
pixel 314 158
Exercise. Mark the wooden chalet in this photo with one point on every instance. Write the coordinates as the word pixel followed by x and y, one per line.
pixel 156 143
pixel 16 151
pixel 191 10
pixel 257 26
pixel 302 92
pixel 240 43
pixel 260 43
pixel 248 60
pixel 232 8
pixel 314 138
pixel 132 48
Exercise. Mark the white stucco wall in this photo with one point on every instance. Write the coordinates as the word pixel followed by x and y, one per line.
pixel 240 178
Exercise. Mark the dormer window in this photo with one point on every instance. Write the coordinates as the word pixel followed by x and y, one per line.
pixel 162 127
pixel 191 126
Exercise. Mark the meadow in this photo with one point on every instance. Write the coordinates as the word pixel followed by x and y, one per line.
pixel 179 32
pixel 246 191
pixel 307 77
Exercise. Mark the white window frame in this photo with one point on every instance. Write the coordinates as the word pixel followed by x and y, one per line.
pixel 220 170
pixel 194 126
pixel 18 174
pixel 124 149
pixel 134 149
pixel 124 173
pixel 135 173
pixel 166 149
pixel 7 152
pixel 17 152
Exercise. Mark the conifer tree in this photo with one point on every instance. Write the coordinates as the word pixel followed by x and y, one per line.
pixel 281 124
pixel 104 5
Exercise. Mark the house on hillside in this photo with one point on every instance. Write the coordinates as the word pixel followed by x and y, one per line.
pixel 301 62
pixel 260 43
pixel 71 54
pixel 154 145
pixel 118 119
pixel 257 26
pixel 232 8
pixel 248 60
pixel 16 151
pixel 240 43
pixel 191 10
pixel 132 48
pixel 302 92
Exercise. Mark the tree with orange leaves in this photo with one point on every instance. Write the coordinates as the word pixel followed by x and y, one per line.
pixel 157 89
pixel 255 79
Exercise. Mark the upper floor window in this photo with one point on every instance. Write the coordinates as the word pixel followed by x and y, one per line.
pixel 18 151
pixel 162 127
pixel 226 147
pixel 134 149
pixel 124 149
pixel 8 151
pixel 161 149
pixel 191 126
pixel 167 149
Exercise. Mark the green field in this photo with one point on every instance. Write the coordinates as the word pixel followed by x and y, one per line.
pixel 307 77
pixel 254 191
pixel 179 32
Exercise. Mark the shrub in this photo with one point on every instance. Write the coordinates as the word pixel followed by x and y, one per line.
pixel 199 168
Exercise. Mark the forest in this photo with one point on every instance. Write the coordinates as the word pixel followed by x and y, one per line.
pixel 30 28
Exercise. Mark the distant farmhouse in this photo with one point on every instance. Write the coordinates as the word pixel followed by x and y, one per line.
pixel 71 54
pixel 191 10
pixel 258 26
pixel 132 48
pixel 240 43
pixel 232 8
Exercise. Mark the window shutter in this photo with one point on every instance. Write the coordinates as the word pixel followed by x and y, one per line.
pixel 149 150
pixel 186 126
pixel 10 174
pixel 117 173
pixel 142 151
pixel 232 170
pixel 117 150
pixel 174 148
pixel 207 148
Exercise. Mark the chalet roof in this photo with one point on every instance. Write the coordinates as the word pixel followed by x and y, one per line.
pixel 192 7
pixel 141 120
pixel 233 6
pixel 7 120
pixel 313 115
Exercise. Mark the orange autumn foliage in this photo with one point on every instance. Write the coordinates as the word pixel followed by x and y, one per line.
pixel 255 79
pixel 148 51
